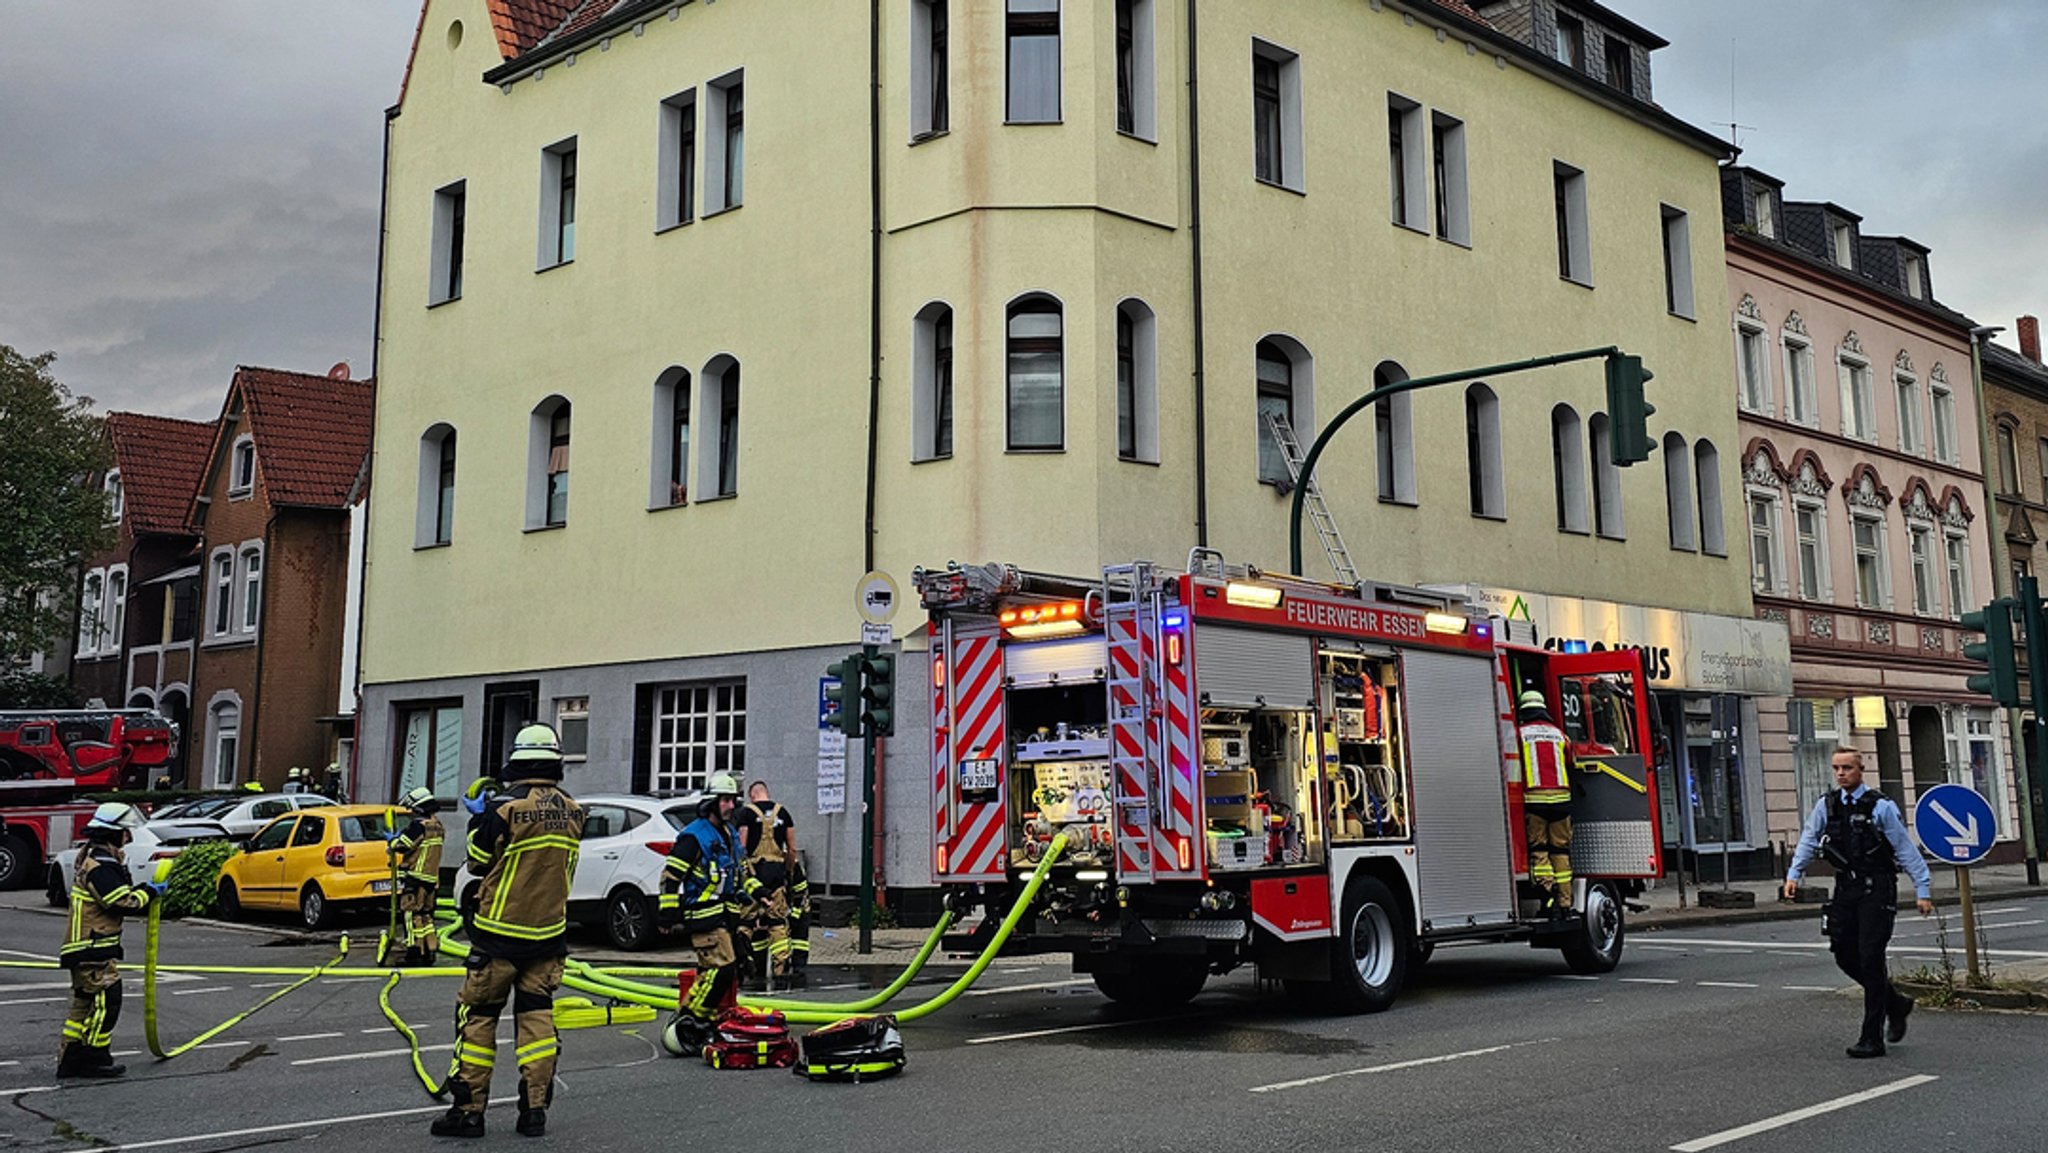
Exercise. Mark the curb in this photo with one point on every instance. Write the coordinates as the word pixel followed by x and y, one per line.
pixel 1789 911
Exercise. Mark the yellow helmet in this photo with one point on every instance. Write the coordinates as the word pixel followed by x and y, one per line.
pixel 537 742
pixel 1532 699
pixel 722 785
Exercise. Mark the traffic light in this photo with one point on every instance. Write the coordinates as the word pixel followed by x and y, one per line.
pixel 2000 679
pixel 844 697
pixel 1628 414
pixel 878 693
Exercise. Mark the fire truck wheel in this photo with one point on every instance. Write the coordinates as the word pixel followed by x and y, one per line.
pixel 1369 960
pixel 1160 985
pixel 1596 946
pixel 16 868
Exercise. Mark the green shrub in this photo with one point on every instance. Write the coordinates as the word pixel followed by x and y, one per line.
pixel 195 878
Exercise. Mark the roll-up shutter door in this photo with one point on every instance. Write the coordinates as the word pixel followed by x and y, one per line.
pixel 1454 758
pixel 1076 659
pixel 1239 668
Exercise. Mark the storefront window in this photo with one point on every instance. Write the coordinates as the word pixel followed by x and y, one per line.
pixel 1973 755
pixel 1713 778
pixel 1816 728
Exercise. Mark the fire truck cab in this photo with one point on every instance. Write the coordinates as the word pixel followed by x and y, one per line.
pixel 1323 781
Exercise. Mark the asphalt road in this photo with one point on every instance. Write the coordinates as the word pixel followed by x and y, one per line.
pixel 1698 1035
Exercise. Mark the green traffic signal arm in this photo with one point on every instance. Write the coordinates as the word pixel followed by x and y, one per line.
pixel 1315 452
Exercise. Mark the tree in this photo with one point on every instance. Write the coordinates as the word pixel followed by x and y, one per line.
pixel 53 444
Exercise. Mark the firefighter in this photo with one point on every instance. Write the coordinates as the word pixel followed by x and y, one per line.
pixel 1862 834
pixel 295 780
pixel 101 895
pixel 799 920
pixel 768 836
pixel 704 888
pixel 1546 802
pixel 416 857
pixel 523 845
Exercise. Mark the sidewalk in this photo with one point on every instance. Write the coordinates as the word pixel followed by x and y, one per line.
pixel 1987 883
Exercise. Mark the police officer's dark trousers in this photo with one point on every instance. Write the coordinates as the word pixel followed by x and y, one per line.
pixel 1859 919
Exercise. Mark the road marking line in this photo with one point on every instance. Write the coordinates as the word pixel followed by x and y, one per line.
pixel 1729 952
pixel 9 1064
pixel 1649 981
pixel 1787 953
pixel 30 956
pixel 1808 988
pixel 309 1037
pixel 1574 977
pixel 269 984
pixel 1030 988
pixel 1665 948
pixel 1822 946
pixel 2011 909
pixel 1725 1136
pixel 41 986
pixel 1724 984
pixel 1397 1065
pixel 190 992
pixel 34 1001
pixel 1075 1029
pixel 367 1056
pixel 285 1127
pixel 22 1092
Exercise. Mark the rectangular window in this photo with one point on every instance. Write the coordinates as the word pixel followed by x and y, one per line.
pixel 89 609
pixel 1816 733
pixel 1859 410
pixel 1845 246
pixel 698 730
pixel 1802 404
pixel 557 204
pixel 1276 116
pixel 1574 251
pixel 1453 209
pixel 572 725
pixel 115 613
pixel 734 167
pixel 1916 278
pixel 1678 264
pixel 450 209
pixel 558 467
pixel 1408 180
pixel 1126 386
pixel 930 72
pixel 679 443
pixel 1766 214
pixel 1136 70
pixel 1569 42
pixel 725 143
pixel 1920 541
pixel 1869 545
pixel 242 470
pixel 1910 439
pixel 1763 544
pixel 227 741
pixel 429 750
pixel 1957 555
pixel 252 588
pixel 1755 367
pixel 676 190
pixel 729 432
pixel 2043 447
pixel 223 592
pixel 1032 62
pixel 2008 462
pixel 1621 72
pixel 1810 526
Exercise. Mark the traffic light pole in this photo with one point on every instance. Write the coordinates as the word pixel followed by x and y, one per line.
pixel 867 831
pixel 1315 452
pixel 2036 624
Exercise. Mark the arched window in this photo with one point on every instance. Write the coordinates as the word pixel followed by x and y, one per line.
pixel 547 464
pixel 1035 380
pixel 1706 461
pixel 221 619
pixel 112 486
pixel 1485 486
pixel 1568 467
pixel 2008 461
pixel 1607 515
pixel 434 516
pixel 931 398
pixel 242 466
pixel 114 614
pixel 252 585
pixel 89 608
pixel 719 400
pixel 1678 506
pixel 1137 382
pixel 1394 436
pixel 1284 379
pixel 668 469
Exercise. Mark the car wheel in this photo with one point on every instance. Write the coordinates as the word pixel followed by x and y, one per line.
pixel 229 900
pixel 313 910
pixel 1155 986
pixel 1369 959
pixel 16 856
pixel 54 891
pixel 1596 945
pixel 627 919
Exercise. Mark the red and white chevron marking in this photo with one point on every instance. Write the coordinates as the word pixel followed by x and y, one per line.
pixel 942 765
pixel 1130 653
pixel 978 835
pixel 1181 851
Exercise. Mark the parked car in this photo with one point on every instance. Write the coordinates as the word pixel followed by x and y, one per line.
pixel 626 837
pixel 315 861
pixel 153 842
pixel 242 813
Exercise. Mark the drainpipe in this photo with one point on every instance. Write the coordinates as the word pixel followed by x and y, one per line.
pixel 2001 584
pixel 1195 232
pixel 874 270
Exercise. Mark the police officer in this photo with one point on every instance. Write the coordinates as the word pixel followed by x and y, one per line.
pixel 524 846
pixel 416 857
pixel 101 895
pixel 1546 801
pixel 1862 834
pixel 704 888
pixel 768 835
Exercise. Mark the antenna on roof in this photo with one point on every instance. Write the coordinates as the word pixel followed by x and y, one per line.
pixel 339 371
pixel 1734 129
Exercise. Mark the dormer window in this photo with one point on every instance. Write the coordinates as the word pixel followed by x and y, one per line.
pixel 1845 245
pixel 1916 280
pixel 242 467
pixel 112 487
pixel 1570 46
pixel 1620 65
pixel 1766 217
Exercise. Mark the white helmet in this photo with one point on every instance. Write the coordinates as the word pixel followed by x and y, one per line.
pixel 114 817
pixel 417 799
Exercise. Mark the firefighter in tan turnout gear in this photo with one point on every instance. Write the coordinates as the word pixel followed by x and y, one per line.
pixel 1547 801
pixel 101 895
pixel 416 855
pixel 523 845
pixel 768 834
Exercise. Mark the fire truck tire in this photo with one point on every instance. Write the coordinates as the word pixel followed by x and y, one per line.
pixel 1369 959
pixel 18 860
pixel 1162 985
pixel 1596 946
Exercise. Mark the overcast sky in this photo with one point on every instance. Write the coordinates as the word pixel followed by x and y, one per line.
pixel 188 186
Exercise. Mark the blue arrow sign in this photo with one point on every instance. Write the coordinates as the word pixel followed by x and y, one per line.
pixel 828 712
pixel 1955 825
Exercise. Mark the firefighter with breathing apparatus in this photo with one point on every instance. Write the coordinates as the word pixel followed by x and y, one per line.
pixel 416 858
pixel 524 846
pixel 101 895
pixel 704 889
pixel 768 834
pixel 1546 801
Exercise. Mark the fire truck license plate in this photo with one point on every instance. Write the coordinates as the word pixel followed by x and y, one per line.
pixel 978 776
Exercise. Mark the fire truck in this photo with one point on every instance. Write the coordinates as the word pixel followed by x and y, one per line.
pixel 1323 781
pixel 94 748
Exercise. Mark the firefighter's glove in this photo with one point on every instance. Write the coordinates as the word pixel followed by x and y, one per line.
pixel 157 889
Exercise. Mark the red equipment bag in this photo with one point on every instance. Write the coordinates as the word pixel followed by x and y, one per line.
pixel 745 1039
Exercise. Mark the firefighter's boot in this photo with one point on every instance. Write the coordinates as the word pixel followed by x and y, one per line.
pixel 88 1062
pixel 458 1122
pixel 532 1122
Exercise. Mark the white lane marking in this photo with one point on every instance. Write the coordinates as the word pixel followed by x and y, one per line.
pixel 1724 984
pixel 30 956
pixel 367 1056
pixel 1788 953
pixel 269 984
pixel 1729 952
pixel 1397 1065
pixel 190 992
pixel 1725 1136
pixel 1957 929
pixel 34 1001
pixel 1075 1029
pixel 286 1127
pixel 25 1091
pixel 1030 988
pixel 195 1048
pixel 1649 981
pixel 1574 977
pixel 1664 948
pixel 1808 988
pixel 42 986
pixel 1823 946
pixel 1996 912
pixel 308 1037
pixel 8 1064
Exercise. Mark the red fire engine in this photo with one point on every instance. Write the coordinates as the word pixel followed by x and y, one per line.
pixel 1320 780
pixel 95 748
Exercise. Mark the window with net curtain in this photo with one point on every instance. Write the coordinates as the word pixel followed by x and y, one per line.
pixel 1036 376
pixel 558 466
pixel 1033 42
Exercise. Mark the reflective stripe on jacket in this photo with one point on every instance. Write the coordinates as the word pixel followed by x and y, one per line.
pixel 701 879
pixel 101 895
pixel 417 850
pixel 1546 764
pixel 524 846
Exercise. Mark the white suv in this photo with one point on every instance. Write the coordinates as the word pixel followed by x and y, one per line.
pixel 626 838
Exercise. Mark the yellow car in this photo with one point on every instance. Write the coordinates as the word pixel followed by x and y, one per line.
pixel 314 861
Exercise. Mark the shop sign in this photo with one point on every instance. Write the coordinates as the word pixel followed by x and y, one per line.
pixel 1685 651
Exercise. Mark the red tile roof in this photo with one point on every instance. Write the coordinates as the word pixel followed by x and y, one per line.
pixel 311 432
pixel 521 24
pixel 161 461
pixel 1465 10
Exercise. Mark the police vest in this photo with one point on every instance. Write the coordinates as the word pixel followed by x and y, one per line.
pixel 767 846
pixel 1546 769
pixel 1852 842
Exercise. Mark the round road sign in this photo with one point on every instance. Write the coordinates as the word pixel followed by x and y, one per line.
pixel 1955 824
pixel 876 596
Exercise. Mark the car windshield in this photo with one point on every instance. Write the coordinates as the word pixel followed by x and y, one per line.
pixel 364 827
pixel 206 807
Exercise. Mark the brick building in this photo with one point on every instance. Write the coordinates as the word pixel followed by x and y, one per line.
pixel 273 512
